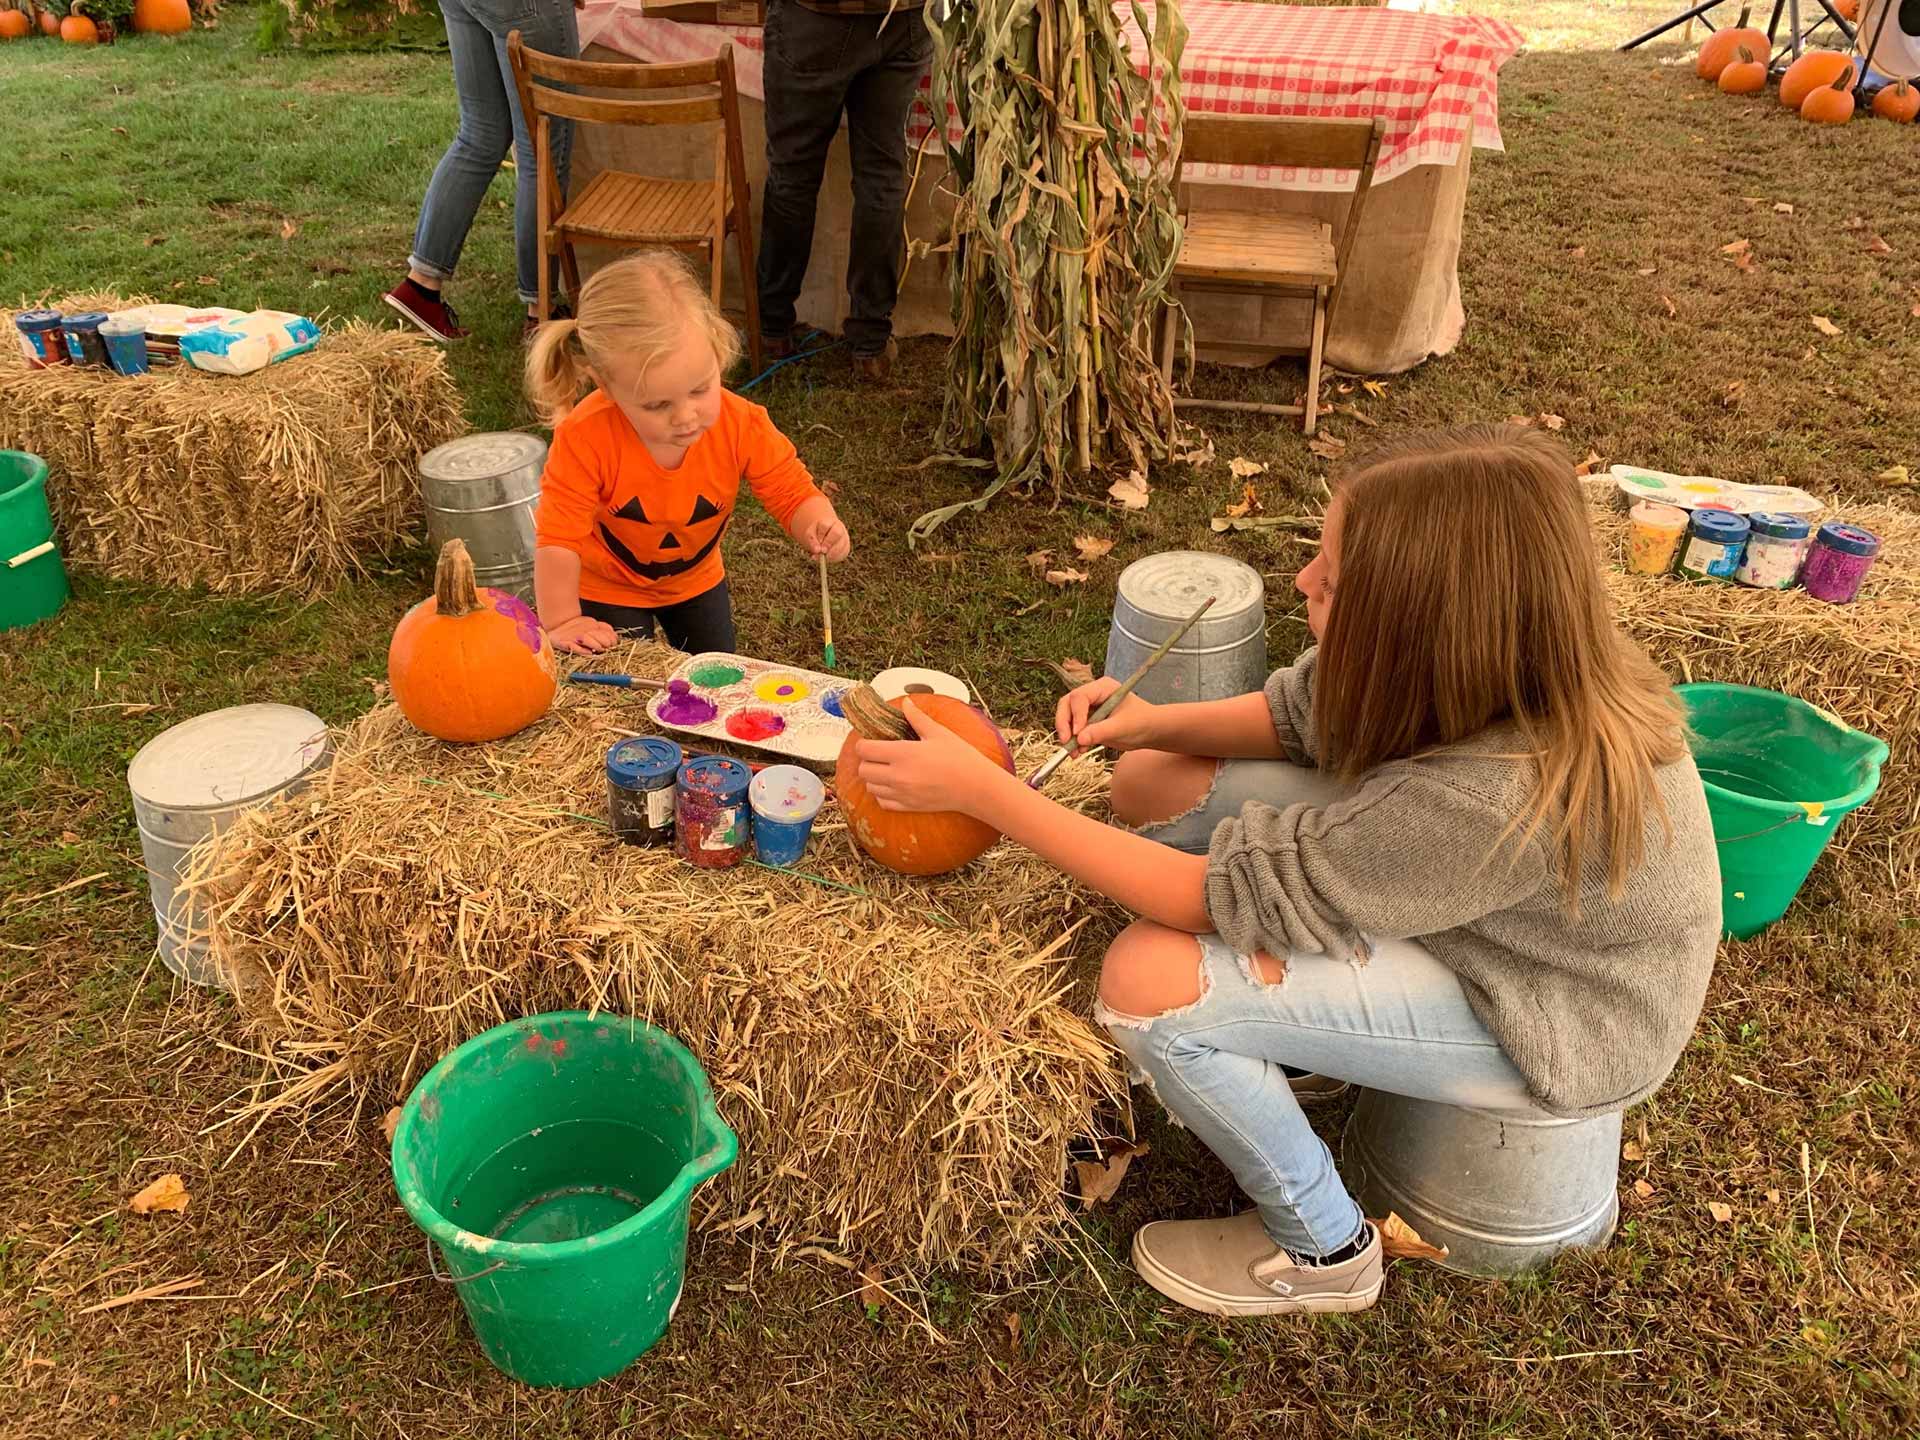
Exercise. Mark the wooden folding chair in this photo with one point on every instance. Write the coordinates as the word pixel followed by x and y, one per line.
pixel 640 211
pixel 1241 252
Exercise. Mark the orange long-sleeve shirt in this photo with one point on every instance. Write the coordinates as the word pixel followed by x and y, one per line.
pixel 650 537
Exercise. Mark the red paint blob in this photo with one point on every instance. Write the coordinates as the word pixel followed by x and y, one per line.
pixel 559 1049
pixel 754 724
pixel 533 1040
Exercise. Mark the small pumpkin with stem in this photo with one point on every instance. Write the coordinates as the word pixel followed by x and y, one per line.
pixel 1745 76
pixel 1831 104
pixel 162 17
pixel 470 663
pixel 1722 48
pixel 1898 102
pixel 14 24
pixel 929 844
pixel 48 19
pixel 77 28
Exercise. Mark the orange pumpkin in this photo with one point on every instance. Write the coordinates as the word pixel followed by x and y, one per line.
pixel 1745 76
pixel 162 17
pixel 470 664
pixel 14 25
pixel 79 30
pixel 1831 104
pixel 930 844
pixel 1847 10
pixel 50 24
pixel 1812 71
pixel 1722 47
pixel 1898 102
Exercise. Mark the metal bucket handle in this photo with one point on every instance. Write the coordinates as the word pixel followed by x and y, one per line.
pixel 459 1279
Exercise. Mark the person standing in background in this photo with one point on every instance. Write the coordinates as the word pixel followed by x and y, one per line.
pixel 863 58
pixel 490 123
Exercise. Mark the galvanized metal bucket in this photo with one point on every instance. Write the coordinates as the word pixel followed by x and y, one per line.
pixel 195 779
pixel 1505 1192
pixel 483 489
pixel 1224 655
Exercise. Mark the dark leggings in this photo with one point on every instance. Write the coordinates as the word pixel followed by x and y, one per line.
pixel 703 623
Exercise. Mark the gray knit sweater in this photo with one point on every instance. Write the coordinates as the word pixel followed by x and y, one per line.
pixel 1593 1011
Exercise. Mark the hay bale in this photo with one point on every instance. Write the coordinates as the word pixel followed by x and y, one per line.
pixel 905 1061
pixel 283 480
pixel 1858 661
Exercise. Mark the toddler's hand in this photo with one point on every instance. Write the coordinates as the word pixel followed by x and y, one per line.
pixel 582 635
pixel 827 536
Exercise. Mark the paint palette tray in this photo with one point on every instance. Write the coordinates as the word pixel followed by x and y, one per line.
pixel 1690 491
pixel 756 704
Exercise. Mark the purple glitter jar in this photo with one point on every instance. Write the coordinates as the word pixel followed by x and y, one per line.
pixel 1838 563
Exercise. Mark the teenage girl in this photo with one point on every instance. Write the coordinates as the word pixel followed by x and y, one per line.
pixel 1458 852
pixel 642 476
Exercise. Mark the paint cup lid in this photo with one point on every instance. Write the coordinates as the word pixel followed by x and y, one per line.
pixel 33 321
pixel 632 762
pixel 1849 539
pixel 787 793
pixel 126 323
pixel 715 775
pixel 1721 526
pixel 1779 527
pixel 91 320
pixel 1657 516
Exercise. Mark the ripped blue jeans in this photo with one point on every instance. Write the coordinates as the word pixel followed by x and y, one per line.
pixel 1399 1023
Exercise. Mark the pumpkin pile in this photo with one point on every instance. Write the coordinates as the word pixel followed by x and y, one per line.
pixel 1820 85
pixel 92 22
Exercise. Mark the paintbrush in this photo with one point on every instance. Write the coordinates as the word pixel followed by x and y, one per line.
pixel 826 615
pixel 1112 702
pixel 625 682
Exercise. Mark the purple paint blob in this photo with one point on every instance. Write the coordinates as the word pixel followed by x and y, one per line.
pixel 526 624
pixel 716 677
pixel 830 702
pixel 754 725
pixel 680 706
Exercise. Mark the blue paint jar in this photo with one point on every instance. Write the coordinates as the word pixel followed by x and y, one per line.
pixel 711 826
pixel 640 776
pixel 1715 542
pixel 83 339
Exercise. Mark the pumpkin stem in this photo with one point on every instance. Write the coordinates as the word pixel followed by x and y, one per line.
pixel 454 593
pixel 873 718
pixel 1842 82
pixel 1746 56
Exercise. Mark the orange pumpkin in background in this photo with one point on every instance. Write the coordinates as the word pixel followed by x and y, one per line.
pixel 1831 104
pixel 930 844
pixel 14 25
pixel 50 24
pixel 1847 10
pixel 1745 76
pixel 1722 47
pixel 79 30
pixel 470 664
pixel 1812 71
pixel 1898 102
pixel 162 17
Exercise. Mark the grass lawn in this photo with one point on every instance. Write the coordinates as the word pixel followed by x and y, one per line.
pixel 1597 291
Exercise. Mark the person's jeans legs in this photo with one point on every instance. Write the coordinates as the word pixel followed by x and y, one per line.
pixel 1400 1023
pixel 878 100
pixel 551 28
pixel 808 58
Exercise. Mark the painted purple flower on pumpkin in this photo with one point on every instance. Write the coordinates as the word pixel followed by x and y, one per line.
pixel 526 623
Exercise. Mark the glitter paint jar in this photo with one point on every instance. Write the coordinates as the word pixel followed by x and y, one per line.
pixel 1837 564
pixel 42 339
pixel 83 339
pixel 1714 542
pixel 640 779
pixel 1775 548
pixel 1654 536
pixel 711 824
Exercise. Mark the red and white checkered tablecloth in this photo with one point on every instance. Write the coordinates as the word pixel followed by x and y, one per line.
pixel 1434 78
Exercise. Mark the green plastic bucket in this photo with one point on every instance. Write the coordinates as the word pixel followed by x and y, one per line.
pixel 1780 775
pixel 33 582
pixel 551 1162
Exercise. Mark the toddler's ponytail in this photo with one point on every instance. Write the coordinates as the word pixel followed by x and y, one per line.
pixel 555 370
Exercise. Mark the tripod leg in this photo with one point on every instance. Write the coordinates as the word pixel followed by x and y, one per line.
pixel 1697 12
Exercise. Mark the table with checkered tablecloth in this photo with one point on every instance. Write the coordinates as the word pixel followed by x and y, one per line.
pixel 1433 78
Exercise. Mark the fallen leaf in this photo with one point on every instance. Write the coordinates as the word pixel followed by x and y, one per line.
pixel 123 132
pixel 1327 447
pixel 288 229
pixel 873 1294
pixel 1825 326
pixel 1243 468
pixel 1589 465
pixel 1375 388
pixel 1632 1150
pixel 1743 263
pixel 1099 1179
pixel 1525 422
pixel 1358 414
pixel 1078 672
pixel 1400 1241
pixel 153 240
pixel 1553 422
pixel 1197 456
pixel 1782 208
pixel 208 280
pixel 1643 1189
pixel 1066 577
pixel 1012 1322
pixel 1038 560
pixel 1131 491
pixel 1091 547
pixel 1773 1197
pixel 1877 246
pixel 1738 247
pixel 1578 252
pixel 1721 1213
pixel 169 1192
pixel 68 837
pixel 1853 222
pixel 1249 503
pixel 1735 393
pixel 1673 310
pixel 1649 270
pixel 1892 475
pixel 390 1124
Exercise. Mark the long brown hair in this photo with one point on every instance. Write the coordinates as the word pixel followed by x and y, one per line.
pixel 1469 593
pixel 640 308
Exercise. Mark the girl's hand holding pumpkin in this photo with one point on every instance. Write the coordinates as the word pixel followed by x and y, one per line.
pixel 582 635
pixel 939 771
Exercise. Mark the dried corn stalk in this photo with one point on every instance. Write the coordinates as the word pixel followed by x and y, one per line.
pixel 1064 234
